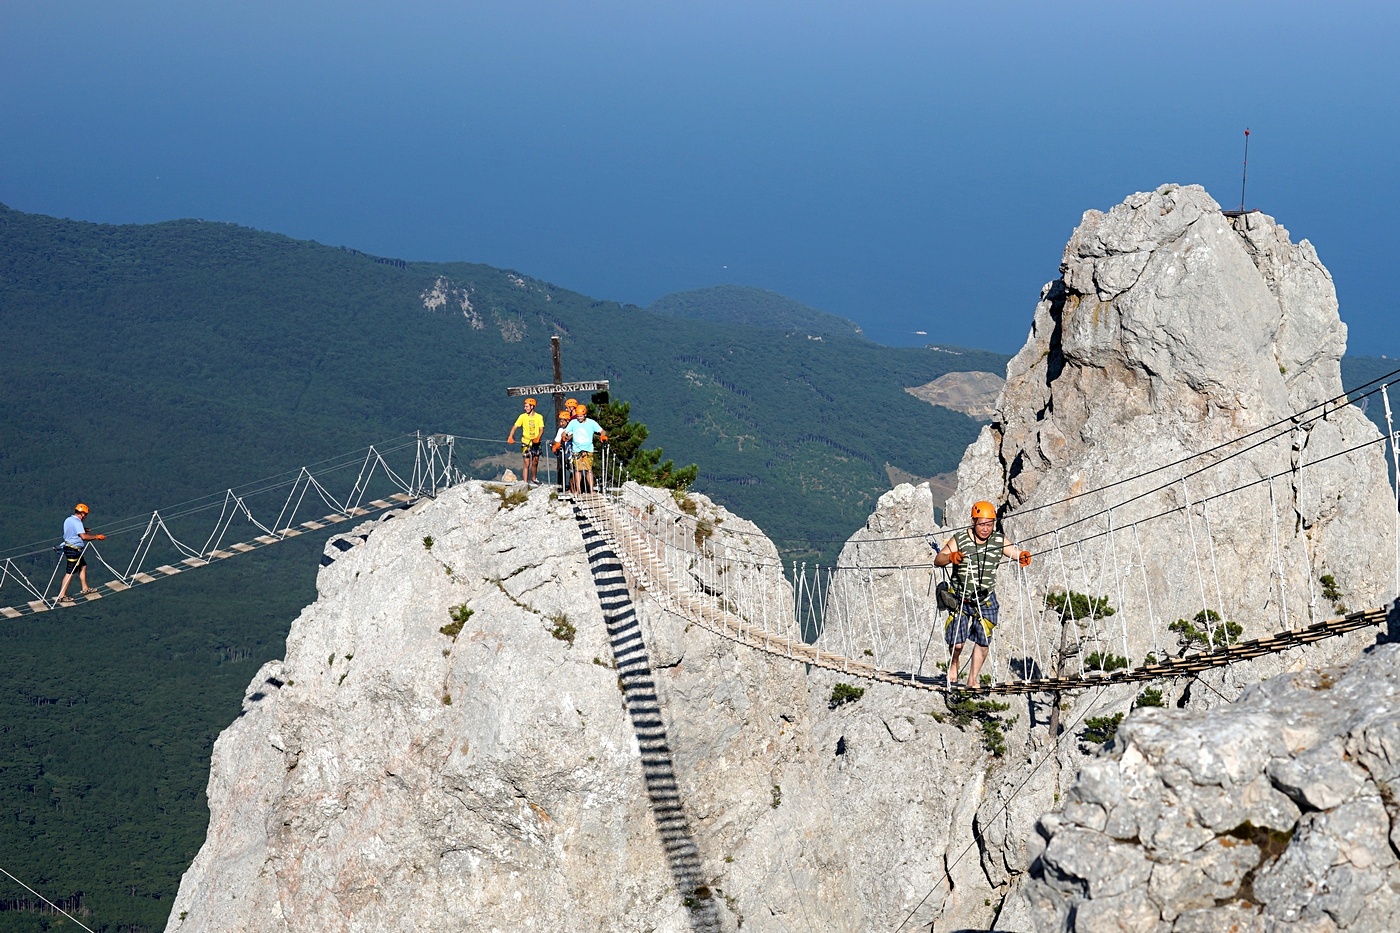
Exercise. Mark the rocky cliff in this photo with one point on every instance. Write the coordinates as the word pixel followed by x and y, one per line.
pixel 476 725
pixel 1172 330
pixel 482 724
pixel 1175 330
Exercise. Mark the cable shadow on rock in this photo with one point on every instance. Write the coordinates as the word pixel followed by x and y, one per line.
pixel 1037 710
pixel 639 695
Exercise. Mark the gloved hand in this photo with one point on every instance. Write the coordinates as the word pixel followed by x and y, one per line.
pixel 554 447
pixel 603 438
pixel 1025 558
pixel 955 557
pixel 510 440
pixel 101 537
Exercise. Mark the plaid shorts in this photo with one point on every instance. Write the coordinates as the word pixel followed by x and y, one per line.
pixel 73 559
pixel 972 623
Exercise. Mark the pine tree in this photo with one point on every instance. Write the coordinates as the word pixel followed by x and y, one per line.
pixel 625 437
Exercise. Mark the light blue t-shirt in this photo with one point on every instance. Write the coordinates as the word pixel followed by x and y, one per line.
pixel 72 531
pixel 583 433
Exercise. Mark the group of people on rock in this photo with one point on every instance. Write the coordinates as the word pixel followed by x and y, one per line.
pixel 573 443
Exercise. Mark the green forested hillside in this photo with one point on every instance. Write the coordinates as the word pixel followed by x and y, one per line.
pixel 163 360
pixel 752 307
pixel 108 721
pixel 142 366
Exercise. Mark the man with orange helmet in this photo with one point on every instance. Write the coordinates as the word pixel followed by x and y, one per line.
pixel 582 430
pixel 975 552
pixel 531 425
pixel 75 541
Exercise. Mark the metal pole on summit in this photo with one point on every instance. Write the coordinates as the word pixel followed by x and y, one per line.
pixel 558 374
pixel 1244 173
pixel 558 403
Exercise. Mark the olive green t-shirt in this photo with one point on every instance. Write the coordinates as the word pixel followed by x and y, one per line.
pixel 977 574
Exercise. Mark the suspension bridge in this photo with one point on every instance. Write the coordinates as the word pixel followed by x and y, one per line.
pixel 403 470
pixel 737 600
pixel 1093 608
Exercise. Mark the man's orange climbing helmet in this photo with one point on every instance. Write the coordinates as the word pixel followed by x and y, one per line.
pixel 569 403
pixel 530 401
pixel 982 510
pixel 581 410
pixel 565 414
pixel 80 509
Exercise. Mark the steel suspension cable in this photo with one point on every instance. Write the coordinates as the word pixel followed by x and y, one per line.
pixel 46 900
pixel 1395 478
pixel 1246 485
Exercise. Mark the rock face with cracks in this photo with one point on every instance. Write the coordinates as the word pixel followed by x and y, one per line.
pixel 1174 330
pixel 448 745
pixel 1275 813
pixel 472 729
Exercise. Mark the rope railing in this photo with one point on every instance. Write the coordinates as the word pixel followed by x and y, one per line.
pixel 384 472
pixel 880 621
pixel 874 616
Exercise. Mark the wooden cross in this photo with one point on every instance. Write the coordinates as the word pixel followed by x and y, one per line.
pixel 558 388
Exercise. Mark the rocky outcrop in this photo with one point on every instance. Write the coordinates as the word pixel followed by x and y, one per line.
pixel 1275 813
pixel 1172 330
pixel 1175 330
pixel 446 745
pixel 974 394
pixel 477 726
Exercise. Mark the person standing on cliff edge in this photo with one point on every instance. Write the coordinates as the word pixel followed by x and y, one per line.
pixel 974 553
pixel 531 425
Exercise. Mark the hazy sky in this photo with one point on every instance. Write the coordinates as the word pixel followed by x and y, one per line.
pixel 910 165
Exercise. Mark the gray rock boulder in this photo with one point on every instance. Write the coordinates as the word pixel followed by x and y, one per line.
pixel 1175 330
pixel 1273 813
pixel 445 746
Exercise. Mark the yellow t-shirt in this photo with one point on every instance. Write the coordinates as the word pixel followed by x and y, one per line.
pixel 531 425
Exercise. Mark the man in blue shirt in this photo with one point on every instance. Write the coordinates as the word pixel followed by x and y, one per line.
pixel 581 431
pixel 75 539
